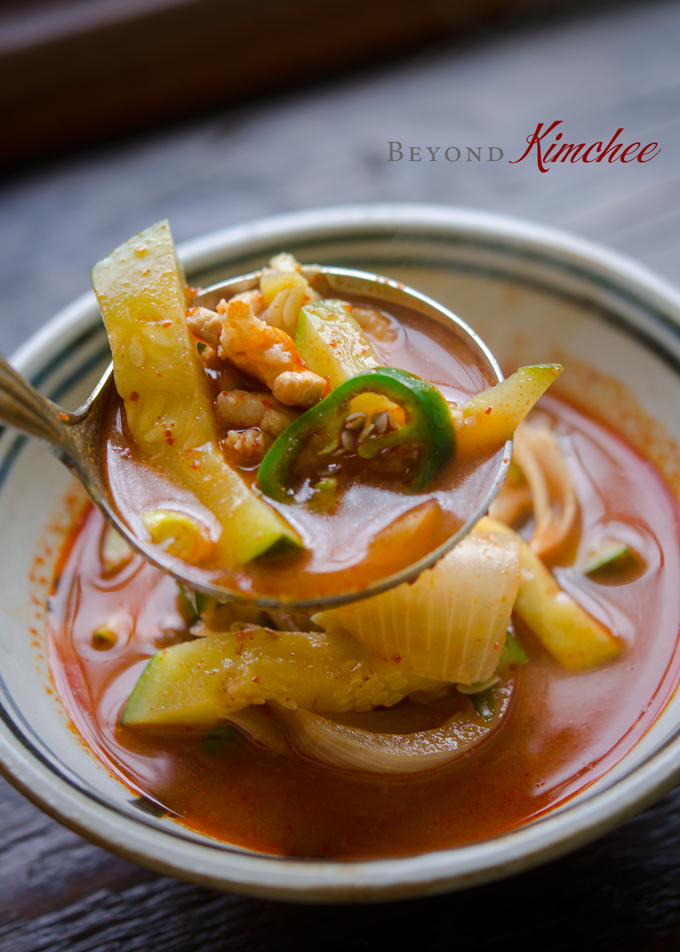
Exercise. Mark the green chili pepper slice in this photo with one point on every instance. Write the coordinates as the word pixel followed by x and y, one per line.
pixel 424 443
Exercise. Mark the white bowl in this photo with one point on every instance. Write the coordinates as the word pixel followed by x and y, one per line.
pixel 531 292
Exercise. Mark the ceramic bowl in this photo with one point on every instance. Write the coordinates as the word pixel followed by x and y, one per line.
pixel 533 294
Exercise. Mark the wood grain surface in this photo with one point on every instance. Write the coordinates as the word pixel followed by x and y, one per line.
pixel 321 146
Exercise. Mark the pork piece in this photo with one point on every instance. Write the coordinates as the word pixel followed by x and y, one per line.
pixel 298 388
pixel 254 347
pixel 206 325
pixel 253 298
pixel 210 358
pixel 275 419
pixel 247 447
pixel 244 408
pixel 222 376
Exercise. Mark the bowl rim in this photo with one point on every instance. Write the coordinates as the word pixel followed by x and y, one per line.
pixel 377 879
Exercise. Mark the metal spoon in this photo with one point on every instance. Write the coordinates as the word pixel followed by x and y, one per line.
pixel 77 438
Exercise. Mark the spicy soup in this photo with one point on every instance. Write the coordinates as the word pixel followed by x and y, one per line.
pixel 562 732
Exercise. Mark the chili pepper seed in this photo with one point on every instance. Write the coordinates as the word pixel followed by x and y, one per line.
pixel 381 422
pixel 347 440
pixel 355 421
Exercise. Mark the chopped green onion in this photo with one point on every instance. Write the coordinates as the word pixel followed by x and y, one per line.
pixel 511 653
pixel 104 638
pixel 483 697
pixel 217 738
pixel 485 704
pixel 611 558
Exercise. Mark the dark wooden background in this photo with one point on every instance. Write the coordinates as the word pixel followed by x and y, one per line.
pixel 597 67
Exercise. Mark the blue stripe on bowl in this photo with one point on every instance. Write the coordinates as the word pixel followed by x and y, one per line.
pixel 57 393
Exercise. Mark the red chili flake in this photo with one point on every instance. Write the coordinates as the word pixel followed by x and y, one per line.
pixel 63 416
pixel 167 323
pixel 256 679
pixel 396 658
pixel 134 396
pixel 168 436
pixel 367 678
pixel 194 464
pixel 488 410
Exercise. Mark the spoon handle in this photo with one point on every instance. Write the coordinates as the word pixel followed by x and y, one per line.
pixel 21 406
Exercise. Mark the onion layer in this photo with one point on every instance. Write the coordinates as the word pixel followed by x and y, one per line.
pixel 450 623
pixel 352 748
pixel 262 726
pixel 554 501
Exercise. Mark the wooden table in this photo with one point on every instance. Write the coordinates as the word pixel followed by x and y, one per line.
pixel 324 146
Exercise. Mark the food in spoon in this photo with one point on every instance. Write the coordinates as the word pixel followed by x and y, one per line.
pixel 263 401
pixel 412 452
pixel 498 672
pixel 331 342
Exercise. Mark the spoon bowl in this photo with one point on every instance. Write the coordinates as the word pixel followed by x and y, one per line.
pixel 76 439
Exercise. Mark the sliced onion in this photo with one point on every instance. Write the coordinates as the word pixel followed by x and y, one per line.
pixel 352 748
pixel 262 726
pixel 538 455
pixel 512 504
pixel 450 623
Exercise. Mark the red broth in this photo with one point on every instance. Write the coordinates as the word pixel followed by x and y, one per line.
pixel 564 731
pixel 342 550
